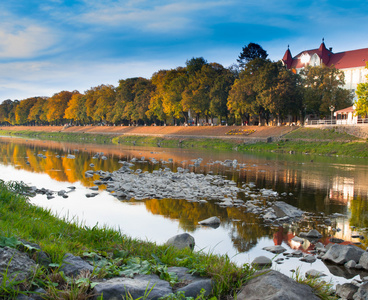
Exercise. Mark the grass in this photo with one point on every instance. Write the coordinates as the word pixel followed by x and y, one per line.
pixel 303 140
pixel 114 253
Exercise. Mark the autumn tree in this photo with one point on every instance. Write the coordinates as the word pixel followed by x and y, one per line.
pixel 105 96
pixel 251 52
pixel 37 114
pixel 23 109
pixel 323 88
pixel 56 106
pixel 7 111
pixel 76 110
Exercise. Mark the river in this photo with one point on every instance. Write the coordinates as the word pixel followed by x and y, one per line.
pixel 322 186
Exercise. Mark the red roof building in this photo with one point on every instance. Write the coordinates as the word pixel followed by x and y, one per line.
pixel 352 63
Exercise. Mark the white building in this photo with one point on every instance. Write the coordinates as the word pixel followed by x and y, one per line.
pixel 352 63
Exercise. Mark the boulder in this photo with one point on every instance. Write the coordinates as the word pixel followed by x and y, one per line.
pixel 282 209
pixel 74 265
pixel 273 285
pixel 308 258
pixel 134 288
pixel 350 264
pixel 362 293
pixel 262 262
pixel 17 265
pixel 346 290
pixel 363 261
pixel 340 254
pixel 313 234
pixel 181 241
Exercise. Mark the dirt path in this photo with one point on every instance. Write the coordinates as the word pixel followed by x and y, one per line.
pixel 169 131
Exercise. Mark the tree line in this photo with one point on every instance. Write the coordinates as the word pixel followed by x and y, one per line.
pixel 257 91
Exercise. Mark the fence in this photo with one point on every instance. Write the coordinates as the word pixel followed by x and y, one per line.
pixel 338 122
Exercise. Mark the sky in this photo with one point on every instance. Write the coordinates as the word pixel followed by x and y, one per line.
pixel 48 46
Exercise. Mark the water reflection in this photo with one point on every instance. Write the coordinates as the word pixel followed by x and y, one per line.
pixel 319 185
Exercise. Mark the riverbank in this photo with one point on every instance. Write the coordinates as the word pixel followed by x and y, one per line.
pixel 330 141
pixel 40 244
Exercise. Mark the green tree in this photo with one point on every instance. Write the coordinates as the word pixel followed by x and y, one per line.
pixel 361 105
pixel 323 88
pixel 105 96
pixel 7 111
pixel 251 52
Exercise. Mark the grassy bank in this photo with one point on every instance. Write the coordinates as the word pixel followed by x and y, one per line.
pixel 302 140
pixel 113 252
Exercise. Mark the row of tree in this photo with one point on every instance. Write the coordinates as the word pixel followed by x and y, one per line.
pixel 258 90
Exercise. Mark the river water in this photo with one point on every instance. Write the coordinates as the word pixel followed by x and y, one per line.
pixel 321 186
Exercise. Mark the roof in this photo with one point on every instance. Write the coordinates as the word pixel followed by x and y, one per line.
pixel 347 110
pixel 341 60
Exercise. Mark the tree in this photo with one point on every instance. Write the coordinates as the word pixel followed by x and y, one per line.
pixel 23 109
pixel 56 106
pixel 76 110
pixel 7 109
pixel 361 105
pixel 251 52
pixel 37 114
pixel 323 88
pixel 105 96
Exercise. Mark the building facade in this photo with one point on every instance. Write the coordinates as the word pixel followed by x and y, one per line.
pixel 352 63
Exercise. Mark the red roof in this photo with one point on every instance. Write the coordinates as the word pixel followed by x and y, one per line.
pixel 345 110
pixel 342 60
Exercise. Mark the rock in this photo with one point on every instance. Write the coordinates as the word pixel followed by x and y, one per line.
pixel 336 240
pixel 213 221
pixel 314 274
pixel 346 290
pixel 298 240
pixel 363 261
pixel 262 262
pixel 273 285
pixel 193 289
pixel 182 241
pixel 340 254
pixel 308 259
pixel 313 234
pixel 283 209
pixel 362 293
pixel 16 264
pixel 74 265
pixel 137 287
pixel 350 264
pixel 275 249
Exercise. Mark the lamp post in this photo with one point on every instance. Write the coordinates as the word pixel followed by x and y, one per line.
pixel 332 108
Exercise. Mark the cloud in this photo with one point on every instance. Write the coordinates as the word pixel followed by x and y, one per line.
pixel 22 41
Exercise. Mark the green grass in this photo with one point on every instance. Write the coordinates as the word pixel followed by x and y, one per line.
pixel 113 250
pixel 320 134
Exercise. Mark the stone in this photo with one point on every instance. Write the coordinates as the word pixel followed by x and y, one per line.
pixel 350 264
pixel 16 264
pixel 346 290
pixel 181 241
pixel 362 293
pixel 137 287
pixel 273 285
pixel 74 265
pixel 363 261
pixel 314 274
pixel 283 209
pixel 336 240
pixel 275 249
pixel 298 240
pixel 213 221
pixel 313 234
pixel 308 258
pixel 262 262
pixel 193 289
pixel 340 254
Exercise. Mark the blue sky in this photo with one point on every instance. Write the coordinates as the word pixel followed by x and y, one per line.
pixel 47 46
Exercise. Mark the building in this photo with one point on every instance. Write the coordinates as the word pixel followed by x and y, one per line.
pixel 352 63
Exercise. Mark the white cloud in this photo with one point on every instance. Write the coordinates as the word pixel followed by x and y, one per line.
pixel 166 17
pixel 24 41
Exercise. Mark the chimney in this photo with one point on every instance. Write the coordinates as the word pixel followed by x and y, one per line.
pixel 330 49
